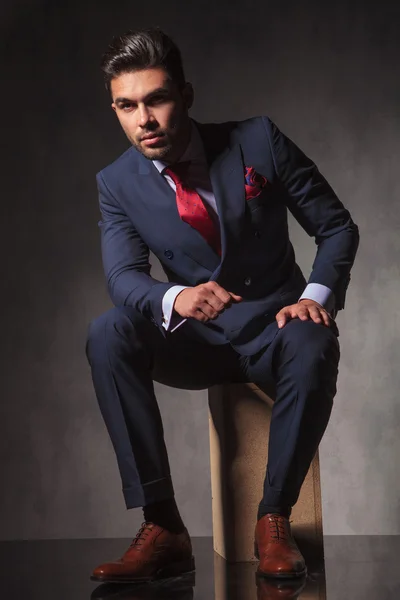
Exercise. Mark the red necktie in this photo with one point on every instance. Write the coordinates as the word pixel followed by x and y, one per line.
pixel 191 207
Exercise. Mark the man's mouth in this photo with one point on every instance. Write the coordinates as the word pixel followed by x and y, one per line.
pixel 151 138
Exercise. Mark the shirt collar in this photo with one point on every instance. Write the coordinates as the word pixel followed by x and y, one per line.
pixel 194 151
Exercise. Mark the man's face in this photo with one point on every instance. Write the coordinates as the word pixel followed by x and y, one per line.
pixel 153 112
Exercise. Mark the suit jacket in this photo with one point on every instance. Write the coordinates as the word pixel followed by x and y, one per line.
pixel 139 214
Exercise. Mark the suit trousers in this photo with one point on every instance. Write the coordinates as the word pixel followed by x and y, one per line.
pixel 127 353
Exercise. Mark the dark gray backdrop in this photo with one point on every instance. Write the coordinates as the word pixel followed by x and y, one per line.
pixel 327 73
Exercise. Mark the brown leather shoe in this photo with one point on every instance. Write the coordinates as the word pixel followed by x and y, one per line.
pixel 155 553
pixel 275 547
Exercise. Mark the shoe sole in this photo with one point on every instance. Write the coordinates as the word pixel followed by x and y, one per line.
pixel 173 570
pixel 280 574
pixel 283 575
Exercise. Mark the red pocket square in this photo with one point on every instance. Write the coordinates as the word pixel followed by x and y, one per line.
pixel 254 183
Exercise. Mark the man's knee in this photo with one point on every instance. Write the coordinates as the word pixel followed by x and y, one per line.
pixel 310 341
pixel 311 353
pixel 109 329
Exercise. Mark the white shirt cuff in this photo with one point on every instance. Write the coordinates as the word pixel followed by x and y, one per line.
pixel 171 321
pixel 321 294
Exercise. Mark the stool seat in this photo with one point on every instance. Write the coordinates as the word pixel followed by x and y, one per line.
pixel 239 419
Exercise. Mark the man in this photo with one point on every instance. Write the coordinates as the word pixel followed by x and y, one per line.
pixel 210 201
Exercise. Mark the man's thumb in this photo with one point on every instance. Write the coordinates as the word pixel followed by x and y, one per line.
pixel 236 297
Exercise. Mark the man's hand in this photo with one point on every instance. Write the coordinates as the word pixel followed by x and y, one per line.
pixel 204 302
pixel 304 310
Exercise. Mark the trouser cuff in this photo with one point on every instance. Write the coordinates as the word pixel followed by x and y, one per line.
pixel 148 493
pixel 265 509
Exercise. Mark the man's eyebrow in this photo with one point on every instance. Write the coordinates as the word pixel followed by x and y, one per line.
pixel 161 90
pixel 121 99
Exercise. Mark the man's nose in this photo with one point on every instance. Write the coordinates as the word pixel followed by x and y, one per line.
pixel 144 116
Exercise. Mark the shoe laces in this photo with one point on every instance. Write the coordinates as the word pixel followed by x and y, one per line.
pixel 277 527
pixel 141 535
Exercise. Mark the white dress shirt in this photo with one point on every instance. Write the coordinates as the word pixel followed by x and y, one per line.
pixel 198 179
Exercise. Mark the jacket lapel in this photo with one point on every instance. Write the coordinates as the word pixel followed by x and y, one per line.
pixel 226 171
pixel 227 180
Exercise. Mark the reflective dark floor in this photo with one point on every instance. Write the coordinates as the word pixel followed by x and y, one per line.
pixel 356 568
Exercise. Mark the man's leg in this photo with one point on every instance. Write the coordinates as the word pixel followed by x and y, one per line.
pixel 126 353
pixel 299 370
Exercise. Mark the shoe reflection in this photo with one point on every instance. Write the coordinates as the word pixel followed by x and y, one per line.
pixel 240 581
pixel 177 588
pixel 269 589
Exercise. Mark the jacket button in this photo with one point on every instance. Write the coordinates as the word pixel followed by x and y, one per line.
pixel 257 234
pixel 247 281
pixel 168 253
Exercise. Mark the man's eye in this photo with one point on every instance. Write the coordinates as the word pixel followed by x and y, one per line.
pixel 157 99
pixel 126 106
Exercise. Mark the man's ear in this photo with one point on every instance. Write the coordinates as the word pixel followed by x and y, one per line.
pixel 113 106
pixel 188 95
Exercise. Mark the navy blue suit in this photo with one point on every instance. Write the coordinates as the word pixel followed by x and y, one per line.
pixel 128 347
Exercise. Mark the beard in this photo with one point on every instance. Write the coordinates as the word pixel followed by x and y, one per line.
pixel 158 153
pixel 168 146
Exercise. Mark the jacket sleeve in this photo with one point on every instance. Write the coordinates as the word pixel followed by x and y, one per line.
pixel 126 261
pixel 316 207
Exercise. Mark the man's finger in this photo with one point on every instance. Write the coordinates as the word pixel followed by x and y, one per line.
pixel 326 318
pixel 208 310
pixel 283 316
pixel 221 294
pixel 200 316
pixel 315 314
pixel 319 315
pixel 301 311
pixel 215 303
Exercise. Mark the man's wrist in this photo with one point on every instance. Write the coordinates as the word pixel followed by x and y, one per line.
pixel 321 295
pixel 305 300
pixel 170 318
pixel 174 311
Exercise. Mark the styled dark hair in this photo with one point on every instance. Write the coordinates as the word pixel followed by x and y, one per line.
pixel 142 49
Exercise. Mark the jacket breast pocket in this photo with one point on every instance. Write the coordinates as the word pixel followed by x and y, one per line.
pixel 267 211
pixel 259 201
pixel 258 209
pixel 262 205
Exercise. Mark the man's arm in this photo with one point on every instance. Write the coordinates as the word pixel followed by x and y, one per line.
pixel 126 261
pixel 127 268
pixel 316 207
